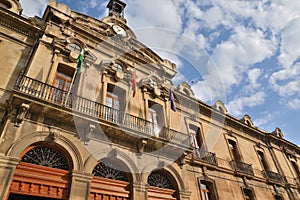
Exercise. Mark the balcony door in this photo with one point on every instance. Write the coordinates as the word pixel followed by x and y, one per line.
pixel 234 150
pixel 62 82
pixel 113 107
pixel 153 119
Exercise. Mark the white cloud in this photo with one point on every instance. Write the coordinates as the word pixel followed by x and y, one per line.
pixel 236 106
pixel 235 56
pixel 154 13
pixel 286 81
pixel 294 104
pixel 253 75
pixel 178 78
pixel 266 119
pixel 290 44
pixel 33 7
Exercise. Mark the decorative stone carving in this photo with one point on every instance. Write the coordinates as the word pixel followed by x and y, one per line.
pixel 247 120
pixel 53 136
pixel 141 145
pixel 89 132
pixel 219 105
pixel 21 112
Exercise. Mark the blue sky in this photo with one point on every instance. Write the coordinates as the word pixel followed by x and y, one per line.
pixel 250 51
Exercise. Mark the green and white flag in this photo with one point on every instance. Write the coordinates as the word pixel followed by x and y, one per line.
pixel 80 60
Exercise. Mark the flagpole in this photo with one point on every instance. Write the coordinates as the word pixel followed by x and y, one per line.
pixel 126 104
pixel 78 70
pixel 70 88
pixel 169 116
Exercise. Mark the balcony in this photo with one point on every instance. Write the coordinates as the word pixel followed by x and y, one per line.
pixel 241 167
pixel 273 176
pixel 205 156
pixel 138 127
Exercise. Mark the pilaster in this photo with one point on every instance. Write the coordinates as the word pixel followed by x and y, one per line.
pixel 80 186
pixel 139 191
pixel 7 170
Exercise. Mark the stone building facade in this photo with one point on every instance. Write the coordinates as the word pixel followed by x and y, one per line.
pixel 106 129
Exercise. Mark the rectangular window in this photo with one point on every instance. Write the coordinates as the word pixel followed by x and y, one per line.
pixel 233 150
pixel 196 140
pixel 207 189
pixel 153 119
pixel 205 192
pixel 248 194
pixel 263 160
pixel 113 106
pixel 296 168
pixel 156 117
pixel 278 197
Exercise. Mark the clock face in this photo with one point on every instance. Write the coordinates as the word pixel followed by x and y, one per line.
pixel 119 30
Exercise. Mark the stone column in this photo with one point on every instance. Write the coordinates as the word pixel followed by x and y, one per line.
pixel 7 170
pixel 139 191
pixel 80 186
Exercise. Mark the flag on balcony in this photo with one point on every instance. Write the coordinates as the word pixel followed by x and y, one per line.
pixel 80 60
pixel 171 99
pixel 133 84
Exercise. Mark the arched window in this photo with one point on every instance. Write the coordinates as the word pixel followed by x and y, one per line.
pixel 162 186
pixel 46 156
pixel 110 170
pixel 158 179
pixel 43 173
pixel 111 180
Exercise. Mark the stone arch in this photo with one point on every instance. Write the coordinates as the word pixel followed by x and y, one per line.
pixel 219 105
pixel 168 169
pixel 186 89
pixel 94 158
pixel 247 120
pixel 12 5
pixel 46 136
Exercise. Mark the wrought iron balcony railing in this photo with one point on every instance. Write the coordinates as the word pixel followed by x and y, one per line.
pixel 273 176
pixel 205 156
pixel 58 97
pixel 241 167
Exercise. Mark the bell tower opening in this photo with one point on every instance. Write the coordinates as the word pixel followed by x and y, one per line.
pixel 116 8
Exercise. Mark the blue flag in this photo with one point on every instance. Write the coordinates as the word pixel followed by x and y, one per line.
pixel 171 99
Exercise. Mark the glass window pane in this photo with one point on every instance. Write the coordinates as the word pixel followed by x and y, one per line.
pixel 109 101
pixel 116 104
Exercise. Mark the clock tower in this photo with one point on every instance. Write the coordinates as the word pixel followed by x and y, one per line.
pixel 116 8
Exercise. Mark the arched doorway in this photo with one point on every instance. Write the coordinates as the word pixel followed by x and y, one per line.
pixel 42 174
pixel 111 181
pixel 162 186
